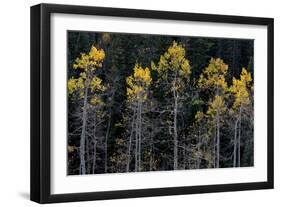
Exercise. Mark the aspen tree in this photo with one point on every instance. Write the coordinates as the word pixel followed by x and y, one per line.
pixel 88 87
pixel 240 90
pixel 137 93
pixel 213 79
pixel 174 71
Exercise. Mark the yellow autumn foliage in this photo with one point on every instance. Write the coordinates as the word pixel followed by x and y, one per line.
pixel 90 61
pixel 75 85
pixel 138 83
pixel 71 85
pixel 96 84
pixel 240 89
pixel 199 116
pixel 216 106
pixel 142 75
pixel 214 75
pixel 83 75
pixel 80 83
pixel 106 38
pixel 95 100
pixel 174 59
pixel 71 148
pixel 87 64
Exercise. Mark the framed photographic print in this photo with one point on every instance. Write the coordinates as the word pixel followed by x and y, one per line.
pixel 133 103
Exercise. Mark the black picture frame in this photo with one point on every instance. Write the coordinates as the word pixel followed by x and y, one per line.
pixel 41 95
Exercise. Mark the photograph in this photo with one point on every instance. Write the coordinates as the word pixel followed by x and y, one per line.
pixel 132 103
pixel 154 102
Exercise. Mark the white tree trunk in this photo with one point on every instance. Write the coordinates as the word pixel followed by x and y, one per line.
pixel 105 143
pixel 88 168
pixel 140 135
pixel 198 149
pixel 83 134
pixel 151 157
pixel 95 144
pixel 130 142
pixel 136 141
pixel 239 138
pixel 94 157
pixel 175 130
pixel 235 144
pixel 214 148
pixel 218 140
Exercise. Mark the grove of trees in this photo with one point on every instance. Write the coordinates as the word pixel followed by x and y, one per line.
pixel 151 103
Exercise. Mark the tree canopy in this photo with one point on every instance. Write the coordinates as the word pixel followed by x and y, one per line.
pixel 151 102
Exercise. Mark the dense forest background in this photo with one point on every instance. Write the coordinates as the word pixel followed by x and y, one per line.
pixel 151 102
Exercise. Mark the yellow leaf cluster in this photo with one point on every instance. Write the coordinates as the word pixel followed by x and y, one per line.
pixel 71 148
pixel 240 89
pixel 80 83
pixel 71 85
pixel 217 105
pixel 246 76
pixel 95 100
pixel 199 116
pixel 214 75
pixel 90 61
pixel 174 59
pixel 87 63
pixel 106 38
pixel 142 75
pixel 83 75
pixel 138 83
pixel 75 85
pixel 96 55
pixel 96 84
